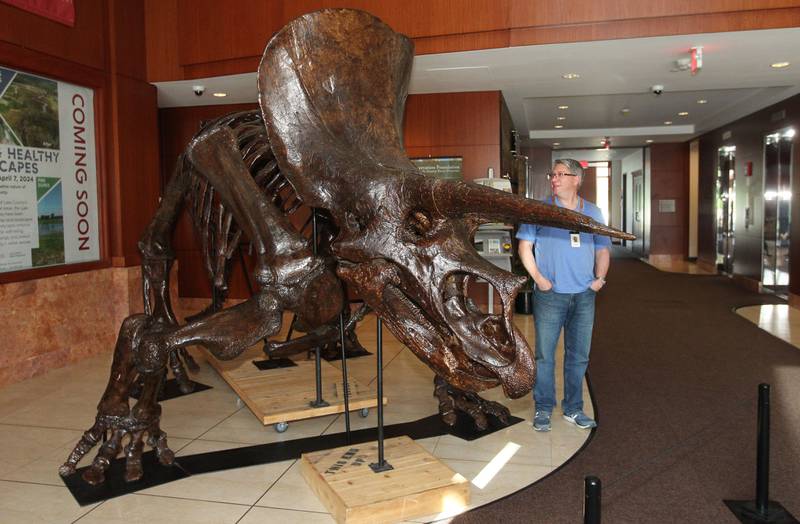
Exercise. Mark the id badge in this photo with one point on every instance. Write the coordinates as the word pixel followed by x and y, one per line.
pixel 575 239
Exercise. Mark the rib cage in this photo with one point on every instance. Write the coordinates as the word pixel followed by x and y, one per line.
pixel 218 231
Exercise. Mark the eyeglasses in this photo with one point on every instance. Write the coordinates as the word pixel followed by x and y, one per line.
pixel 552 176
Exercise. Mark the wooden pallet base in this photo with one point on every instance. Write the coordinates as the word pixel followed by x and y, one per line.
pixel 284 394
pixel 418 485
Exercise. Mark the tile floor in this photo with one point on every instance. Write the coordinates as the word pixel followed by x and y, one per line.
pixel 781 320
pixel 42 419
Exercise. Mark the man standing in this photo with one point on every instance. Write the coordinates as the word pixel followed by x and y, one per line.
pixel 569 268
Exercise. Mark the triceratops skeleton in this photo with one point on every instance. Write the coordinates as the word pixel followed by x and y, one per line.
pixel 332 90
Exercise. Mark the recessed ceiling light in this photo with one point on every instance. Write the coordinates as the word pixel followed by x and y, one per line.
pixel 683 113
pixel 556 143
pixel 649 141
pixel 572 76
pixel 561 118
pixel 558 126
pixel 779 65
pixel 220 95
pixel 702 101
pixel 563 107
pixel 668 122
pixel 625 110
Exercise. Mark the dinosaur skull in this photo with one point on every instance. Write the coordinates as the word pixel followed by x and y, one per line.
pixel 413 265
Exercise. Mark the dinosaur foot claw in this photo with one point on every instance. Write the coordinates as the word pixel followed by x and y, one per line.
pixel 453 400
pixel 119 428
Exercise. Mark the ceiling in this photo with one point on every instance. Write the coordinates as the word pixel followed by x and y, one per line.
pixel 736 79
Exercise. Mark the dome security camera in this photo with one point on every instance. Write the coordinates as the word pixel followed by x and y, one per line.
pixel 657 89
pixel 199 90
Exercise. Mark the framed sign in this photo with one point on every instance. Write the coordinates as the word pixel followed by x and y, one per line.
pixel 440 167
pixel 48 173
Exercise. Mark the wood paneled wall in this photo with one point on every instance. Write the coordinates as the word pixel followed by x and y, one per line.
pixel 669 176
pixel 456 124
pixel 201 38
pixel 748 134
pixel 443 124
pixel 105 51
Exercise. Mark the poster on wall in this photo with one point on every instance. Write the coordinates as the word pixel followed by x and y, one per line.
pixel 449 168
pixel 48 176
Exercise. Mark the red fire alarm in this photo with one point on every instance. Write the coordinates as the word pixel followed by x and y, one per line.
pixel 584 163
pixel 748 169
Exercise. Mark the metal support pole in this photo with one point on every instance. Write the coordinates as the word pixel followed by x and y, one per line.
pixel 319 402
pixel 591 500
pixel 762 458
pixel 345 383
pixel 381 465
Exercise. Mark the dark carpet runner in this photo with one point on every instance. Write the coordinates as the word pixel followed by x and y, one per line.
pixel 674 373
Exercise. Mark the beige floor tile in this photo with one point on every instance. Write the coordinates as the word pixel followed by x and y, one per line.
pixel 292 492
pixel 22 503
pixel 235 486
pixel 258 515
pixel 20 445
pixel 192 420
pixel 56 411
pixel 534 446
pixel 147 509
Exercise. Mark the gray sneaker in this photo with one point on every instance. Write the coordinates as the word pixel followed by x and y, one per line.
pixel 580 419
pixel 541 421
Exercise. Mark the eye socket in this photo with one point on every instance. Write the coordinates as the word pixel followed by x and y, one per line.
pixel 420 223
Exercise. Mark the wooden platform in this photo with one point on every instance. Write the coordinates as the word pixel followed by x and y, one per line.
pixel 283 395
pixel 418 485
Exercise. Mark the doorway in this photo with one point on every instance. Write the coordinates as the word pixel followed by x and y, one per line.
pixel 777 211
pixel 726 197
pixel 637 245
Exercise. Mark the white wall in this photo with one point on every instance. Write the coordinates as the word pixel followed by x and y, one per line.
pixel 631 163
pixel 615 203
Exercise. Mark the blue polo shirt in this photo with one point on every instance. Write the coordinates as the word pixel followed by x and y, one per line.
pixel 570 269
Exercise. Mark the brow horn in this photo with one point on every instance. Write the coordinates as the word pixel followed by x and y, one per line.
pixel 484 204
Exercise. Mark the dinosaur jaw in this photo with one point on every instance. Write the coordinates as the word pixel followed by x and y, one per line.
pixel 471 350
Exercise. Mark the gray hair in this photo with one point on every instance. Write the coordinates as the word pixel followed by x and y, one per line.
pixel 573 165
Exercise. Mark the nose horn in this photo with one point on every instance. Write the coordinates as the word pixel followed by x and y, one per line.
pixel 461 200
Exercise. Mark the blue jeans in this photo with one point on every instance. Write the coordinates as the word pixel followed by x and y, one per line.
pixel 575 314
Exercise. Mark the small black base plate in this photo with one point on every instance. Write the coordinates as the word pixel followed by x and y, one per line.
pixel 274 363
pixel 380 468
pixel 746 512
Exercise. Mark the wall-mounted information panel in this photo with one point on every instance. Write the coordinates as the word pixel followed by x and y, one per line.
pixel 48 174
pixel 449 168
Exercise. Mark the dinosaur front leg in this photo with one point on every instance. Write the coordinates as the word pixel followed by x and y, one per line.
pixel 144 347
pixel 453 400
pixel 113 406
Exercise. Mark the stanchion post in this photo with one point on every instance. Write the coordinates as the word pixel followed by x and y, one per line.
pixel 761 510
pixel 381 465
pixel 591 500
pixel 762 457
pixel 345 384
